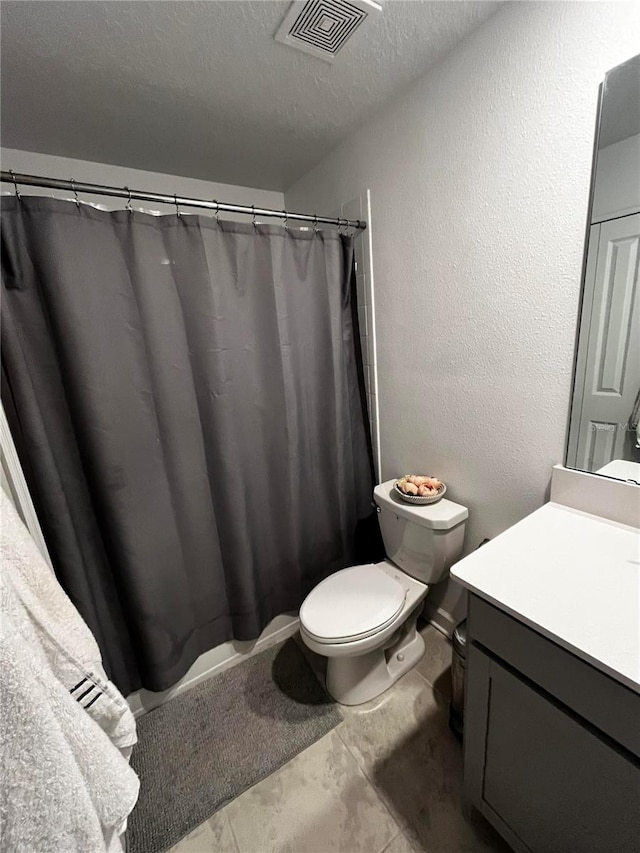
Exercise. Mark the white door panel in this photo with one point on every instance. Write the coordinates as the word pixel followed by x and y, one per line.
pixel 611 366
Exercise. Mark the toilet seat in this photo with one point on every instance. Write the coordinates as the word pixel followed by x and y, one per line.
pixel 352 604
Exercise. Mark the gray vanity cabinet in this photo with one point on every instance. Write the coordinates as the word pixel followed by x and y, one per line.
pixel 552 745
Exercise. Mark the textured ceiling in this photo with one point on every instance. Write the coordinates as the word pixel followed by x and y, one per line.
pixel 201 88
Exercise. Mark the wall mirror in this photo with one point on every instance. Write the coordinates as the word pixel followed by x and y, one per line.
pixel 604 433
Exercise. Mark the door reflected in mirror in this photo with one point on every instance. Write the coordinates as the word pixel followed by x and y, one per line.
pixel 604 429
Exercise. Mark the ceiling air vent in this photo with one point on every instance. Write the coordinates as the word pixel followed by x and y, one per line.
pixel 322 27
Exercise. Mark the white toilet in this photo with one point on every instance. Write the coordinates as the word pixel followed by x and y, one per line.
pixel 363 619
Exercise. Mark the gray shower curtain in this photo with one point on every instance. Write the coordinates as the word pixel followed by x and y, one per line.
pixel 185 398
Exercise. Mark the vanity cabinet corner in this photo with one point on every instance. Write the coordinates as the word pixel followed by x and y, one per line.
pixel 551 747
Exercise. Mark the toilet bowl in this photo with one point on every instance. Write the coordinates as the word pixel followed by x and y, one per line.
pixel 363 618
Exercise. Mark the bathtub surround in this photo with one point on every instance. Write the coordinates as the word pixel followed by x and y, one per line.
pixel 214 463
pixel 360 208
pixel 215 661
pixel 479 180
pixel 199 752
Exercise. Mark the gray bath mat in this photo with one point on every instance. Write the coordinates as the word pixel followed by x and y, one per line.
pixel 204 748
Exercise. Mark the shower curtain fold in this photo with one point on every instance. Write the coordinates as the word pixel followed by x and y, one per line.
pixel 186 396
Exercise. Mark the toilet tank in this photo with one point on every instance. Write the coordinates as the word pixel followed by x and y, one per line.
pixel 424 541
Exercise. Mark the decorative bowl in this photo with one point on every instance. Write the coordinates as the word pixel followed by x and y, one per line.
pixel 421 501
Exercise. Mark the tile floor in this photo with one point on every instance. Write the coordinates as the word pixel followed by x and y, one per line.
pixel 386 780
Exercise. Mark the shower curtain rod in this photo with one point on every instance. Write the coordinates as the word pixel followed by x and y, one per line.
pixel 124 192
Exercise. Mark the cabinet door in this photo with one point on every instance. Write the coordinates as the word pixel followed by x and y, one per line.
pixel 549 783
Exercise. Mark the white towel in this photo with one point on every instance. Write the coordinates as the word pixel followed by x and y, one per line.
pixel 66 785
pixel 69 645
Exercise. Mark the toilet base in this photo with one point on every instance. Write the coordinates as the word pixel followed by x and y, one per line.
pixel 357 679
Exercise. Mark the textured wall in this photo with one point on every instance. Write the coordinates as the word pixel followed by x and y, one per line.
pixel 479 183
pixel 65 168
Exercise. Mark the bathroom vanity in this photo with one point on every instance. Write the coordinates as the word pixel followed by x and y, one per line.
pixel 552 706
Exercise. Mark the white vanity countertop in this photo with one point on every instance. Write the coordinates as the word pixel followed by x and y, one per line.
pixel 571 576
pixel 622 469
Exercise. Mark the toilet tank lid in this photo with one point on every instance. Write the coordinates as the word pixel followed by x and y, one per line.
pixel 439 516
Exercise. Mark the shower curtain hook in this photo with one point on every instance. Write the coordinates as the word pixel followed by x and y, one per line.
pixel 15 184
pixel 253 217
pixel 315 223
pixel 286 220
pixel 129 208
pixel 217 214
pixel 75 192
pixel 175 199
